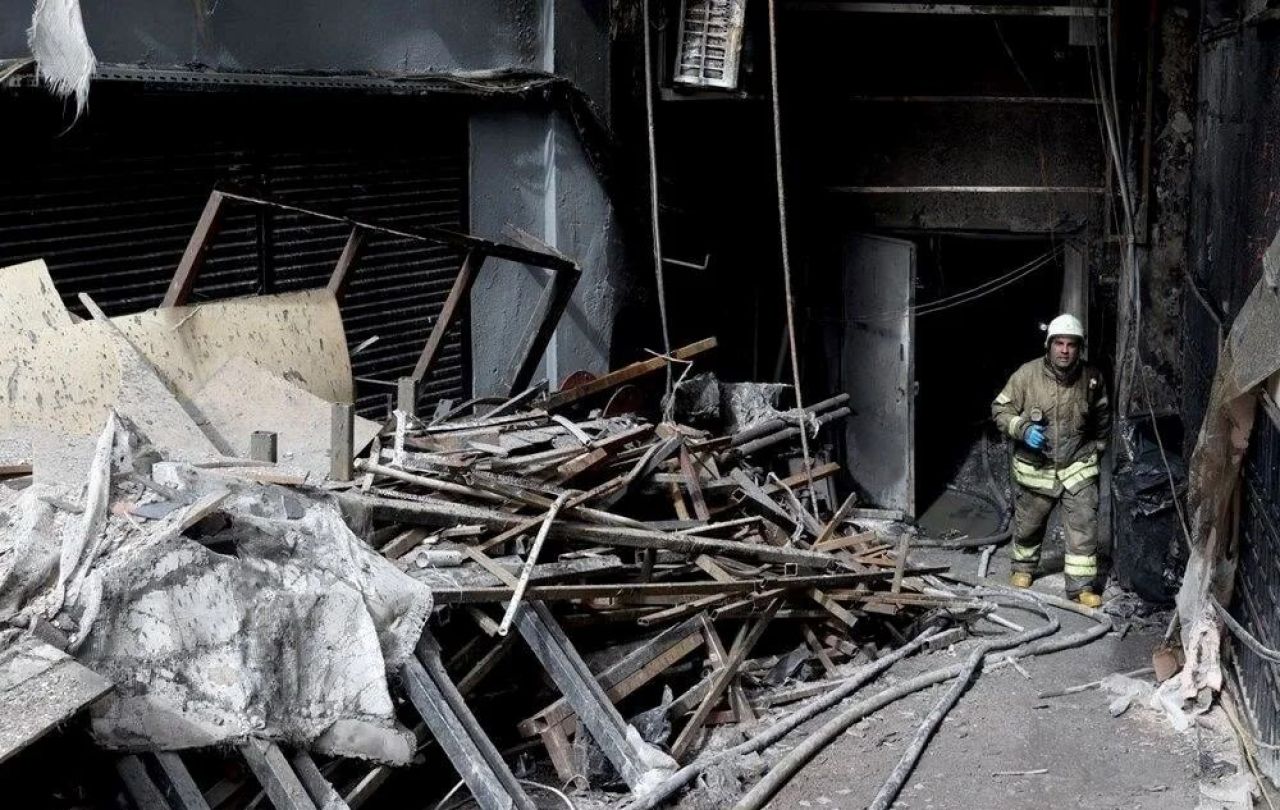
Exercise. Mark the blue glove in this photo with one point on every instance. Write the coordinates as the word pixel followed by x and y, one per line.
pixel 1034 437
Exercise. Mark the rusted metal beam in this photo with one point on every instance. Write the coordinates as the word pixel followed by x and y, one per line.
pixel 953 9
pixel 340 278
pixel 459 294
pixel 423 233
pixel 184 278
pixel 542 326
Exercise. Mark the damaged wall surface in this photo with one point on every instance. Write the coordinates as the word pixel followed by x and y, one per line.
pixel 529 171
pixel 393 36
pixel 558 194
pixel 1234 220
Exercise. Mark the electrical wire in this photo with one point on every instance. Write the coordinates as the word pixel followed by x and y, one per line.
pixel 659 275
pixel 786 247
pixel 555 792
pixel 964 296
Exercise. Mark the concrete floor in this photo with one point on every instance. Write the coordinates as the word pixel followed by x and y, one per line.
pixel 1092 759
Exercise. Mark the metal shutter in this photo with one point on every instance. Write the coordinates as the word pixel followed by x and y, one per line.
pixel 1257 596
pixel 110 203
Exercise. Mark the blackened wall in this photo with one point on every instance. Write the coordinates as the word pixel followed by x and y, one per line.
pixel 528 161
pixel 397 36
pixel 1235 212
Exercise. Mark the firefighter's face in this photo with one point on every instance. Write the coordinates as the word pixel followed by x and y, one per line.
pixel 1063 351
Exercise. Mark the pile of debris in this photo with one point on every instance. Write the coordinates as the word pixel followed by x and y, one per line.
pixel 203 547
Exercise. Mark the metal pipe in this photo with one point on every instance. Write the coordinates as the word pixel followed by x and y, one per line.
pixel 514 605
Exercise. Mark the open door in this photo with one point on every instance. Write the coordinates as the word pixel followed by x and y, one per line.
pixel 877 369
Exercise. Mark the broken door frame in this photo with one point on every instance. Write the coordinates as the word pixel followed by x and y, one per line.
pixel 564 275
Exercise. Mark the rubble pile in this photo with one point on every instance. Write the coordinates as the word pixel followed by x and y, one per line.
pixel 233 574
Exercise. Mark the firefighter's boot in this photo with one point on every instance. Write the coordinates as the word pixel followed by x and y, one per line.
pixel 1020 580
pixel 1089 599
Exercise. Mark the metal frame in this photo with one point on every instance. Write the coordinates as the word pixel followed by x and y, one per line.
pixel 564 275
pixel 446 714
pixel 953 9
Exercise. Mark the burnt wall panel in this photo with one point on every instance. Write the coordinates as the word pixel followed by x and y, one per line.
pixel 1235 213
pixel 110 203
pixel 395 36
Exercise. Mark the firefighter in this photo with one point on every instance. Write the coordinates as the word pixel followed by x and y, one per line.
pixel 1056 411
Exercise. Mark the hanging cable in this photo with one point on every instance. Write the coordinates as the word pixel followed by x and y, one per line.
pixel 659 276
pixel 964 296
pixel 786 250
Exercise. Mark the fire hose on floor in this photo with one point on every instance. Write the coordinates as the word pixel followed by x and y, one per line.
pixel 1036 641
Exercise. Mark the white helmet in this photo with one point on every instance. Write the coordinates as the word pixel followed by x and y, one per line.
pixel 1065 325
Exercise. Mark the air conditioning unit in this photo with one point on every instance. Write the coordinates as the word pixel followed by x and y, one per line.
pixel 710 43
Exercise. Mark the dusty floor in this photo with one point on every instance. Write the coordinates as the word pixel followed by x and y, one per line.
pixel 1090 758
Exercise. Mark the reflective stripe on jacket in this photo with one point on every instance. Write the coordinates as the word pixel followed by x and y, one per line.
pixel 1077 423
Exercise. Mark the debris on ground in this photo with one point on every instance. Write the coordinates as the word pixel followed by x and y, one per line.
pixel 233 567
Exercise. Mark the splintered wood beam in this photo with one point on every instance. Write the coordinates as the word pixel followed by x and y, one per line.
pixel 184 278
pixel 626 374
pixel 458 295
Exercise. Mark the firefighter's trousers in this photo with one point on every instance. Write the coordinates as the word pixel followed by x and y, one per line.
pixel 1080 529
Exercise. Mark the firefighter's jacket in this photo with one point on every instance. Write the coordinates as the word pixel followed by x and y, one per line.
pixel 1076 421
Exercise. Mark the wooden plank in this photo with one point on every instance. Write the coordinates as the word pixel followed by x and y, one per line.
pixel 552 593
pixel 485 665
pixel 833 607
pixel 717 656
pixel 341 441
pixel 694 484
pixel 625 374
pixel 900 565
pixel 471 752
pixel 576 682
pixel 580 464
pixel 458 295
pixel 137 782
pixel 542 326
pixel 858 541
pixel 184 278
pixel 630 673
pixel 742 646
pixel 815 645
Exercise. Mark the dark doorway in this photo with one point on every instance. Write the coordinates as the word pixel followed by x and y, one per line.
pixel 980 303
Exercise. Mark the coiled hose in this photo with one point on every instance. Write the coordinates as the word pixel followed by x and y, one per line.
pixel 1036 641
